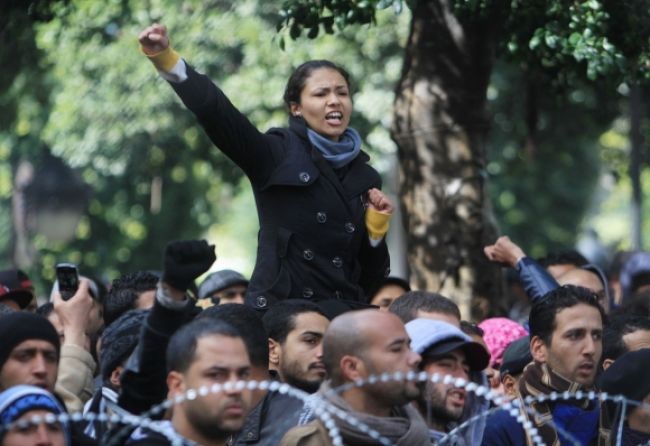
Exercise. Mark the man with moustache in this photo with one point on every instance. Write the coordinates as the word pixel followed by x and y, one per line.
pixel 446 350
pixel 204 352
pixel 356 346
pixel 296 328
pixel 566 328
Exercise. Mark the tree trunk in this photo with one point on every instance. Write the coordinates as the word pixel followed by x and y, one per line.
pixel 440 126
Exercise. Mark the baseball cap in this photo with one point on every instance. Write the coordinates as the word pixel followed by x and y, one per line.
pixel 433 338
pixel 15 285
pixel 516 356
pixel 219 280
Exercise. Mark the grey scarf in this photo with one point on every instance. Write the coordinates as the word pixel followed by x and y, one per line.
pixel 405 428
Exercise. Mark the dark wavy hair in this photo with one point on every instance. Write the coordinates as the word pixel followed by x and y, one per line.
pixel 299 77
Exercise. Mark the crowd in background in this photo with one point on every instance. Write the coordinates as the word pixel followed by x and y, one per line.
pixel 120 349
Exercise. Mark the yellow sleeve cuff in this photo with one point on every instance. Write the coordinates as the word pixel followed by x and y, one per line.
pixel 377 223
pixel 164 60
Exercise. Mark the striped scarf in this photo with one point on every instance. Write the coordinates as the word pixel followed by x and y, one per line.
pixel 539 379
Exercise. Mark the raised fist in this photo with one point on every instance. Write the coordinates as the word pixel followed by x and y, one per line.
pixel 185 260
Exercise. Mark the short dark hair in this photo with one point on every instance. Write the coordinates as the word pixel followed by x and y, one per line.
pixel 406 306
pixel 45 310
pixel 182 345
pixel 620 325
pixel 248 322
pixel 563 257
pixel 299 77
pixel 542 314
pixel 125 291
pixel 280 319
pixel 471 329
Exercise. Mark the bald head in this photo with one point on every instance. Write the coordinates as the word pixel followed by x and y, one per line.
pixel 582 277
pixel 352 333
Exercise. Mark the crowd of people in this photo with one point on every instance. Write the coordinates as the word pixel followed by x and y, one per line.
pixel 321 346
pixel 154 346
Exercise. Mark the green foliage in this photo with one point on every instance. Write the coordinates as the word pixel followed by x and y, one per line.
pixel 564 40
pixel 107 113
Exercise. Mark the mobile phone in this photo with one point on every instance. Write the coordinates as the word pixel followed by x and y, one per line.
pixel 67 276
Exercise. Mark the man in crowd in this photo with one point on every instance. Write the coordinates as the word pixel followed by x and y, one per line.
pixel 566 330
pixel 422 304
pixel 224 287
pixel 128 292
pixel 624 333
pixel 204 352
pixel 446 350
pixel 16 290
pixel 296 328
pixel 357 345
pixel 389 289
pixel 515 358
pixel 628 376
pixel 273 413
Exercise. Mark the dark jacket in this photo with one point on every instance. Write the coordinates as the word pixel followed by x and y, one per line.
pixel 267 423
pixel 313 241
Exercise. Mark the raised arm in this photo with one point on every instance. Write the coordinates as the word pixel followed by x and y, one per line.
pixel 253 151
pixel 534 278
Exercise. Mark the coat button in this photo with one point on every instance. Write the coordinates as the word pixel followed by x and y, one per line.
pixel 250 435
pixel 321 217
pixel 307 293
pixel 349 227
pixel 337 294
pixel 304 177
pixel 337 262
pixel 261 301
pixel 308 254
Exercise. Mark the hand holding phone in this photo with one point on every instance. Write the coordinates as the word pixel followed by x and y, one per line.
pixel 68 278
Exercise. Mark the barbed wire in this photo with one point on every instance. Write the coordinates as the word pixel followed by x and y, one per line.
pixel 326 411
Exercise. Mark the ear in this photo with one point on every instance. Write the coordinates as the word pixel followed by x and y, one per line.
pixel 538 349
pixel 115 376
pixel 509 385
pixel 275 353
pixel 295 109
pixel 175 383
pixel 352 368
pixel 607 362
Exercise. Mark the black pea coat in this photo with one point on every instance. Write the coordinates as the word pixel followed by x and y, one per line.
pixel 312 241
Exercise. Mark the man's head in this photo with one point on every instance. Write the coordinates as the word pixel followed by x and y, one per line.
pixel 224 287
pixel 248 322
pixel 422 304
pixel 558 263
pixel 16 290
pixel 29 351
pixel 628 376
pixel 296 328
pixel 365 343
pixel 118 342
pixel 445 350
pixel 624 333
pixel 566 328
pixel 206 352
pixel 21 404
pixel 128 292
pixel 515 357
pixel 590 277
pixel 390 289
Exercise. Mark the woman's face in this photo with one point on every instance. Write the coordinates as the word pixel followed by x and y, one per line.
pixel 325 103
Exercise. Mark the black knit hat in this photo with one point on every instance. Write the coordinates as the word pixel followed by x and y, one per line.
pixel 119 340
pixel 23 326
pixel 628 375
